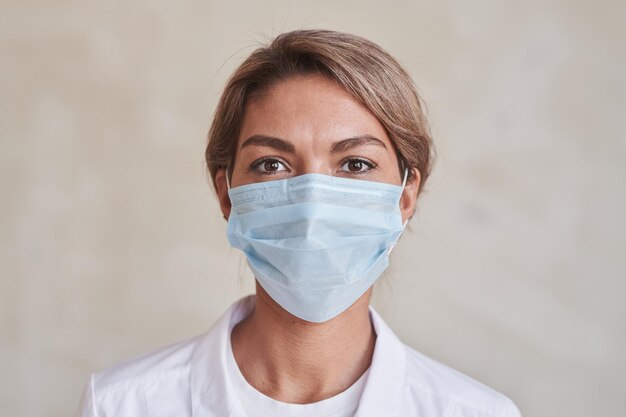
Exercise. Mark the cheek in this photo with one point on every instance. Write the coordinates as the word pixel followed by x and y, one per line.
pixel 393 162
pixel 388 167
pixel 239 169
pixel 244 158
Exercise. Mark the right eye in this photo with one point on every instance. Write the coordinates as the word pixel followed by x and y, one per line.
pixel 268 165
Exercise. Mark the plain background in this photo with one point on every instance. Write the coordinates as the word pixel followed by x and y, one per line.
pixel 112 243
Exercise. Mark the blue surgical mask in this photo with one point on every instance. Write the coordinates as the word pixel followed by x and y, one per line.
pixel 315 242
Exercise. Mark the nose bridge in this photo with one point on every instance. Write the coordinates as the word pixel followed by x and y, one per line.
pixel 313 160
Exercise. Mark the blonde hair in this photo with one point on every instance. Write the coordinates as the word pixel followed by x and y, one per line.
pixel 362 68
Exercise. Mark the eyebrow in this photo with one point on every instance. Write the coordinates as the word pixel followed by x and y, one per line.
pixel 270 142
pixel 354 142
pixel 337 147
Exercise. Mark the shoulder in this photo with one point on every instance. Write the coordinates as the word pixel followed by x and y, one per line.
pixel 428 387
pixel 134 386
pixel 168 363
pixel 162 382
pixel 453 390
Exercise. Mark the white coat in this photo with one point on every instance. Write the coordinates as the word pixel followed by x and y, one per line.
pixel 191 379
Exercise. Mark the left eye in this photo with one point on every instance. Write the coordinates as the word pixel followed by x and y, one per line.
pixel 269 166
pixel 357 165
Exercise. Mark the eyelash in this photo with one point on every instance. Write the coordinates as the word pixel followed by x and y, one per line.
pixel 370 164
pixel 256 164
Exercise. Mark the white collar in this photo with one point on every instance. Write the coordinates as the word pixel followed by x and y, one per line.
pixel 212 395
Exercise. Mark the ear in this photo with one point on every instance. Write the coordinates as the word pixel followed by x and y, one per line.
pixel 222 192
pixel 408 201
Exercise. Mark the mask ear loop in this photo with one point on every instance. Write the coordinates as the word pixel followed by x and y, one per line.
pixel 227 181
pixel 406 175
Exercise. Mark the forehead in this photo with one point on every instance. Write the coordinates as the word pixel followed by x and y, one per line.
pixel 309 109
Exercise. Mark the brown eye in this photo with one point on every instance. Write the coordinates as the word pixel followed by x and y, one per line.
pixel 357 166
pixel 269 166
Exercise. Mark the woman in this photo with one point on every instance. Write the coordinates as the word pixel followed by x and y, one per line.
pixel 318 151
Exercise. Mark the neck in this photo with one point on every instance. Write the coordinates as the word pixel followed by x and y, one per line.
pixel 296 361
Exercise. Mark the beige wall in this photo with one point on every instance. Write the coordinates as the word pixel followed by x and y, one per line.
pixel 112 243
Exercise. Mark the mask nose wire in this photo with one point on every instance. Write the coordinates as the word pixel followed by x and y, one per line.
pixel 406 174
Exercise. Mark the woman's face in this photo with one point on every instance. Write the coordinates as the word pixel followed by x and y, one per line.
pixel 308 124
